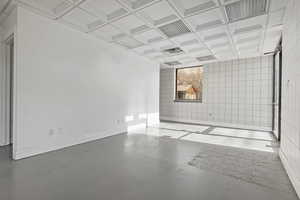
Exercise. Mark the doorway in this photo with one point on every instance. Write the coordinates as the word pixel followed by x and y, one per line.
pixel 8 91
pixel 277 76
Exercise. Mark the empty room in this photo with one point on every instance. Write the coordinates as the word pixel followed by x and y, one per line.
pixel 149 99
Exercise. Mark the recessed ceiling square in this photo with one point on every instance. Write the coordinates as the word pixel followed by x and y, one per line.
pixel 128 42
pixel 189 7
pixel 135 4
pixel 244 9
pixel 174 29
pixel 158 14
pixel 104 9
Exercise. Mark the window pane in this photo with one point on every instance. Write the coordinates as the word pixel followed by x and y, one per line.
pixel 189 83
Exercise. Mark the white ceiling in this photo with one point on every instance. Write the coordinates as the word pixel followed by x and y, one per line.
pixel 147 27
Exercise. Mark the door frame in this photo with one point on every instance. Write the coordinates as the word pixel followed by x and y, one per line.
pixel 277 51
pixel 9 56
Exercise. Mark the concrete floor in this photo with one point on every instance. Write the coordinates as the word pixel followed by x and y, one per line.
pixel 141 165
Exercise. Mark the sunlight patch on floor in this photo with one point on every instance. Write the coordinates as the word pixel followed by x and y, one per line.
pixel 231 142
pixel 260 135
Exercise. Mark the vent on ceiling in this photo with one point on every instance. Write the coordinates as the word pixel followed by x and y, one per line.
pixel 209 25
pixel 200 7
pixel 174 29
pixel 173 63
pixel 173 51
pixel 206 58
pixel 128 42
pixel 245 9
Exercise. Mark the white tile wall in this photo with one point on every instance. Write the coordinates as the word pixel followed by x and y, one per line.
pixel 236 93
pixel 290 143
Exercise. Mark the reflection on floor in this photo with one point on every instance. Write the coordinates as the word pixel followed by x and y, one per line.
pixel 248 139
pixel 137 166
pixel 258 167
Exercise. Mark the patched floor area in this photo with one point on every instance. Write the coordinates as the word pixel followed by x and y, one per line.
pixel 258 167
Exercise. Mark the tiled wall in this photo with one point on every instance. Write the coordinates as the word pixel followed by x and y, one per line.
pixel 236 93
pixel 290 142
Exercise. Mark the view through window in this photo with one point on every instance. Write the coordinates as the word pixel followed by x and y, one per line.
pixel 189 84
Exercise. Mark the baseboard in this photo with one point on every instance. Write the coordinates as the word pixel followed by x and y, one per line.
pixel 3 143
pixel 33 151
pixel 290 172
pixel 209 123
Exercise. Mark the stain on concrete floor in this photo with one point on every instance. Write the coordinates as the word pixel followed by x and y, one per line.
pixel 258 167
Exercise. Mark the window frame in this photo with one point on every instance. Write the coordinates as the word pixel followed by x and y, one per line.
pixel 175 92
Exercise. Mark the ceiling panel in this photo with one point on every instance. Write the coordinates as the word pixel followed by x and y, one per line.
pixel 144 50
pixel 159 14
pixel 189 7
pixel 150 36
pixel 107 32
pixel 104 9
pixel 80 18
pixel 248 27
pixel 137 4
pixel 185 39
pixel 131 24
pixel 161 45
pixel 53 7
pixel 127 41
pixel 174 29
pixel 245 9
pixel 206 21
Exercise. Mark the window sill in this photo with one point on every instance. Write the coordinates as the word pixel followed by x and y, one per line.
pixel 188 101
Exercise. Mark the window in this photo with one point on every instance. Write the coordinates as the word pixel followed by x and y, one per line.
pixel 189 84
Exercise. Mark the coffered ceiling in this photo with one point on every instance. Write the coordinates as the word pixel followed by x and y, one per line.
pixel 175 32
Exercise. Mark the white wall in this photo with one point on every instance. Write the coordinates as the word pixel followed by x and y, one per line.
pixel 236 93
pixel 290 136
pixel 2 91
pixel 7 27
pixel 72 88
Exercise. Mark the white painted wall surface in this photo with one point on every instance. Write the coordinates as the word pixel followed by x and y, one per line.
pixel 236 93
pixel 290 136
pixel 72 88
pixel 7 28
pixel 2 91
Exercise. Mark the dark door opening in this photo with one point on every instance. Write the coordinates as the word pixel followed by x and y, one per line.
pixel 277 84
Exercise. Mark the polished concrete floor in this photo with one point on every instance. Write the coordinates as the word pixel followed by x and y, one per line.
pixel 141 165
